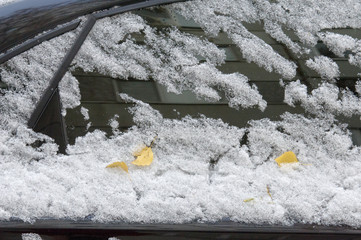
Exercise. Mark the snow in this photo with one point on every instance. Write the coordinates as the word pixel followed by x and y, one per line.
pixel 7 2
pixel 339 44
pixel 324 100
pixel 217 16
pixel 203 168
pixel 85 113
pixel 358 87
pixel 130 59
pixel 182 185
pixel 324 66
pixel 30 236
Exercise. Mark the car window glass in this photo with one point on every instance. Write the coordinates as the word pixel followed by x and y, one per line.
pixel 100 88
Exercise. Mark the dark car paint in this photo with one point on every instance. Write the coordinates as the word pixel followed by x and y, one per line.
pixel 65 229
pixel 23 20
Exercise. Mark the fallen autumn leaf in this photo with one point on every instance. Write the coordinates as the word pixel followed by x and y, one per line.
pixel 122 165
pixel 287 157
pixel 144 157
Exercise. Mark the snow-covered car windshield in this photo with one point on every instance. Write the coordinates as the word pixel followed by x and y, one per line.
pixel 245 111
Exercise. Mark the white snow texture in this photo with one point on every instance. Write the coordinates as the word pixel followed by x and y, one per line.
pixel 7 2
pixel 202 169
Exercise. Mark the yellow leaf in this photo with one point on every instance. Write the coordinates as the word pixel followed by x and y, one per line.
pixel 144 157
pixel 287 157
pixel 248 199
pixel 122 165
pixel 139 150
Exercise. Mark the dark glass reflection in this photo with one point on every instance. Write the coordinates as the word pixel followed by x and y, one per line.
pixel 51 122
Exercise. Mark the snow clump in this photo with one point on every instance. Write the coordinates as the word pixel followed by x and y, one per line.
pixel 324 66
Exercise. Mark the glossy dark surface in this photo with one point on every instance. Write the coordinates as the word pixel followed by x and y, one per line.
pixel 25 19
pixel 52 123
pixel 52 229
pixel 39 39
